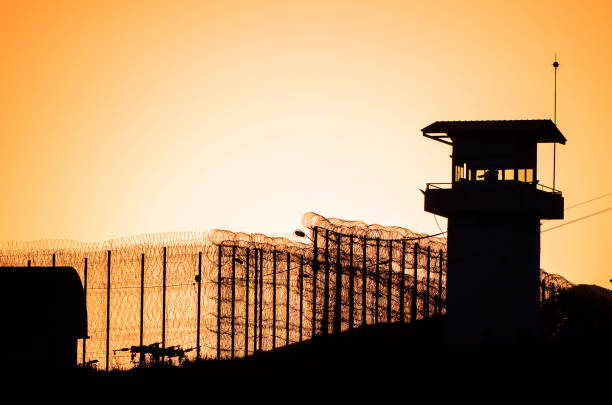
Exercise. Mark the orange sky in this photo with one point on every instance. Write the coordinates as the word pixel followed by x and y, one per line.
pixel 127 117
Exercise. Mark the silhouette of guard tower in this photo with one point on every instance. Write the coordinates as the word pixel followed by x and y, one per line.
pixel 494 206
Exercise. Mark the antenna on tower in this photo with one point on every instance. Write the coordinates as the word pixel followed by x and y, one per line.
pixel 556 66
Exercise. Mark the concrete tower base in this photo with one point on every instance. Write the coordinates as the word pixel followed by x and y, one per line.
pixel 493 279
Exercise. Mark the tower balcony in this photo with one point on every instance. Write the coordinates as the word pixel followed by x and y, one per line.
pixel 499 197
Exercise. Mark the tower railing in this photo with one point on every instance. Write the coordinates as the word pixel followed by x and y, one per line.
pixel 547 189
pixel 439 186
pixel 539 186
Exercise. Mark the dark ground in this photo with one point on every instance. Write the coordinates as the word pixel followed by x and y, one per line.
pixel 409 353
pixel 404 357
pixel 577 329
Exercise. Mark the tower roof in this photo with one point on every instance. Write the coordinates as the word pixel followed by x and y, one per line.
pixel 541 131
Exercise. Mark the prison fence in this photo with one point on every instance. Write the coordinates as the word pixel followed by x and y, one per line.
pixel 221 294
pixel 554 302
pixel 268 297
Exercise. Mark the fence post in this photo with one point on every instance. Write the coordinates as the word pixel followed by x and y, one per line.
pixel 219 303
pixel 255 299
pixel 390 282
pixel 377 281
pixel 274 299
pixel 288 290
pixel 402 281
pixel 233 299
pixel 163 357
pixel 108 287
pixel 198 327
pixel 440 282
pixel 85 294
pixel 301 294
pixel 261 274
pixel 246 312
pixel 552 306
pixel 29 263
pixel 562 302
pixel 53 260
pixel 337 326
pixel 543 317
pixel 142 275
pixel 325 322
pixel 364 284
pixel 351 285
pixel 415 276
pixel 426 306
pixel 315 271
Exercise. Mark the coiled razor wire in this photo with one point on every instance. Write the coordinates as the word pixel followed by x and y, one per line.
pixel 273 291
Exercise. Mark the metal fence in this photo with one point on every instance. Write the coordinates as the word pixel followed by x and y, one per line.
pixel 269 297
pixel 221 294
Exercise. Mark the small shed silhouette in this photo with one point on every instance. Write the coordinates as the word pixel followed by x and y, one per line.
pixel 43 314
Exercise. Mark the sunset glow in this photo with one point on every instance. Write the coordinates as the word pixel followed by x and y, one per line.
pixel 128 117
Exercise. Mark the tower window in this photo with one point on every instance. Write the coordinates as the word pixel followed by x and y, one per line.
pixel 460 173
pixel 525 175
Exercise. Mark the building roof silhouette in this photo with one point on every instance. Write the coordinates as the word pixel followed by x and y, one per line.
pixel 540 131
pixel 36 294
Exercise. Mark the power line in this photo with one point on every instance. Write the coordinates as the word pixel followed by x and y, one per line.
pixel 588 201
pixel 578 219
pixel 441 231
pixel 425 237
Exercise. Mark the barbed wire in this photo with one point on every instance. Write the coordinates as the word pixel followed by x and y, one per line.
pixel 273 308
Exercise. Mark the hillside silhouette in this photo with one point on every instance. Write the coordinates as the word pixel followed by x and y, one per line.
pixel 417 352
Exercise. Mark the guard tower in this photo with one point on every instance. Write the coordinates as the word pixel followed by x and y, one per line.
pixel 494 206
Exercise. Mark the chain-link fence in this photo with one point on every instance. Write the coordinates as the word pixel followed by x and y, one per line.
pixel 221 294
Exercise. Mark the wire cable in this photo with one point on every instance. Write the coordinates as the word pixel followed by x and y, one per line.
pixel 440 228
pixel 587 201
pixel 578 219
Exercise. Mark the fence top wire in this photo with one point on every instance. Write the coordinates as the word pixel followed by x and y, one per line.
pixel 206 241
pixel 360 229
pixel 137 242
pixel 555 279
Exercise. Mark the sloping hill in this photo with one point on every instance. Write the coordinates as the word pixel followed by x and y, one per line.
pixel 583 312
pixel 417 352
